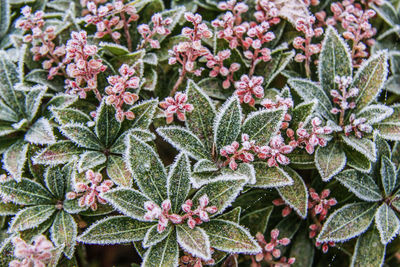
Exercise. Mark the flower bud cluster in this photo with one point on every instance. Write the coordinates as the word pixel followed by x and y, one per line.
pixel 118 94
pixel 110 18
pixel 186 53
pixel 307 27
pixel 319 206
pixel 354 19
pixel 244 154
pixel 341 98
pixel 84 68
pixel 247 87
pixel 271 251
pixel 188 260
pixel 267 11
pixel 38 254
pixel 88 194
pixel 42 41
pixel 276 151
pixel 162 214
pixel 250 36
pixel 176 104
pixel 158 26
pixel 216 63
pixel 309 139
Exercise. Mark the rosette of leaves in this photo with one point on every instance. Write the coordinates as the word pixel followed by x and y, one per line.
pixel 41 207
pixel 207 131
pixel 23 126
pixel 102 146
pixel 380 202
pixel 162 249
pixel 349 150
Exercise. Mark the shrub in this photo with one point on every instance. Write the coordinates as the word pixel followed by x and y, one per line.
pixel 239 133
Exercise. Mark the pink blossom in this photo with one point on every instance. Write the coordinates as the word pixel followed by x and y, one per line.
pixel 159 27
pixel 89 194
pixel 177 105
pixel 247 87
pixel 271 249
pixel 162 214
pixel 275 152
pixel 216 63
pixel 83 67
pixel 38 254
pixel 233 153
pixel 118 94
pixel 42 41
pixel 313 139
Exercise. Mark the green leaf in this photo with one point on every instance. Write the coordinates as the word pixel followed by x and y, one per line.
pixel 357 160
pixel 114 49
pixel 330 160
pixel 233 215
pixel 8 209
pixel 375 113
pixel 107 126
pixel 25 192
pixel 31 217
pixel 388 175
pixel 260 216
pixel 33 100
pixel 364 146
pixel 230 237
pixel 200 121
pixel 7 113
pixel 309 91
pixel 263 124
pixel 154 237
pixel 369 251
pixel 184 140
pixel 90 160
pixel 389 128
pixel 205 165
pixel 165 253
pixel 119 145
pixel 58 153
pixel 195 241
pixel 271 69
pixel 296 195
pixel 4 17
pixel 361 184
pixel 302 113
pixel 14 159
pixel 178 182
pixel 118 171
pixel 334 60
pixel 55 181
pixel 8 78
pixel 387 223
pixel 128 201
pixel 144 113
pixel 147 169
pixel 221 193
pixel 115 230
pixel 227 123
pixel 70 115
pixel 81 135
pixel 302 250
pixel 347 222
pixel 370 78
pixel 64 232
pixel 41 133
pixel 39 76
pixel 270 177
